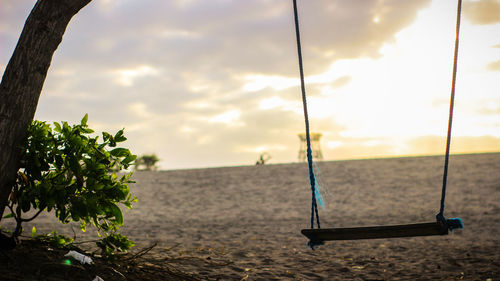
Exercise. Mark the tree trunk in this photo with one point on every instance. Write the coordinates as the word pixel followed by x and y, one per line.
pixel 23 80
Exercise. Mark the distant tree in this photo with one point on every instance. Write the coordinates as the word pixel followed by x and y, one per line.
pixel 147 162
pixel 263 158
pixel 23 80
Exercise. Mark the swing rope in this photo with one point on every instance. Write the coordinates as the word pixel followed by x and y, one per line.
pixel 312 178
pixel 454 222
pixel 407 230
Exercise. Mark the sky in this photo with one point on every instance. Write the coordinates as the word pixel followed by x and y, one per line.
pixel 215 83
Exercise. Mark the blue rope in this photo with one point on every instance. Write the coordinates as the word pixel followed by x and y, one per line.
pixel 312 178
pixel 454 222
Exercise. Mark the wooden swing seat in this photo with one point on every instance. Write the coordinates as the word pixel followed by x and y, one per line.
pixel 376 232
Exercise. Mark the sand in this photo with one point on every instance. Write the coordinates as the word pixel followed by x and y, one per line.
pixel 243 223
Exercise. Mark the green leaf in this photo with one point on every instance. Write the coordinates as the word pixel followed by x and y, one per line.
pixel 11 215
pixel 51 202
pixel 119 137
pixel 120 152
pixel 129 159
pixel 117 213
pixel 33 232
pixel 83 226
pixel 87 130
pixel 75 217
pixel 106 136
pixel 59 161
pixel 109 138
pixel 65 127
pixel 57 127
pixel 84 120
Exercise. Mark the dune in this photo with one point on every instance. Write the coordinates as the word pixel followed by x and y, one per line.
pixel 243 223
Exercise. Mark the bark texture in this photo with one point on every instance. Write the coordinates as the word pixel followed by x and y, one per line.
pixel 23 80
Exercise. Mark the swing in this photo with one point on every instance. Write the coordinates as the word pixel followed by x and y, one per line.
pixel 441 226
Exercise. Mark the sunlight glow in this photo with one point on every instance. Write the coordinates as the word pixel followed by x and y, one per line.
pixel 258 82
pixel 395 95
pixel 271 103
pixel 279 103
pixel 262 148
pixel 127 76
pixel 178 34
pixel 139 109
pixel 229 118
pixel 334 144
pixel 187 130
pixel 198 104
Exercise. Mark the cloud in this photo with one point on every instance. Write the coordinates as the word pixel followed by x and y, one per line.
pixel 127 76
pixel 483 11
pixel 250 36
pixel 259 82
pixel 328 32
pixel 435 145
pixel 358 148
pixel 194 141
pixel 216 82
pixel 342 81
pixel 489 107
pixel 351 148
pixel 228 38
pixel 139 109
pixel 494 66
pixel 230 118
pixel 13 15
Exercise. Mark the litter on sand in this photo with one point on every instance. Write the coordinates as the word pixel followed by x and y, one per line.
pixel 83 259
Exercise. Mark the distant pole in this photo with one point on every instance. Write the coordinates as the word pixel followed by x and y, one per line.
pixel 315 146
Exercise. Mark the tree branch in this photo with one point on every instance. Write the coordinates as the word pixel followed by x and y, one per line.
pixel 33 217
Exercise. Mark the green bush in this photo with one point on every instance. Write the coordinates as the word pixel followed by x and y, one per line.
pixel 148 161
pixel 68 171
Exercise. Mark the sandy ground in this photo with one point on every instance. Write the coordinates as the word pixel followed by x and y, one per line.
pixel 243 223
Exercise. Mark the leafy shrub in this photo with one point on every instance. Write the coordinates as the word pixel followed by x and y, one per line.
pixel 70 172
pixel 147 162
pixel 53 239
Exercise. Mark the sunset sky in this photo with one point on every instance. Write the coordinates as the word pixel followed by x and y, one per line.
pixel 215 83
